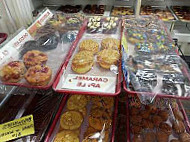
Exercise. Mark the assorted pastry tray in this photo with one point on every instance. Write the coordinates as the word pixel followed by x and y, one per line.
pixel 34 64
pixel 164 13
pixel 164 120
pixel 94 9
pixel 122 11
pixel 84 118
pixel 182 13
pixel 70 8
pixel 94 65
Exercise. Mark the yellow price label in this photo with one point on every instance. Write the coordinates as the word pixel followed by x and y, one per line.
pixel 17 128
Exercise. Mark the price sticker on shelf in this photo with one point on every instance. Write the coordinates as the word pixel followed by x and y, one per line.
pixel 17 128
pixel 90 83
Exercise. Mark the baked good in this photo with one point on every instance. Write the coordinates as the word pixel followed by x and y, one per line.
pixel 110 43
pixel 178 127
pixel 145 114
pixel 150 137
pixel 151 108
pixel 136 119
pixel 156 120
pixel 66 136
pixel 82 111
pixel 76 102
pixel 163 114
pixel 98 118
pixel 12 72
pixel 147 124
pixel 83 62
pixel 34 57
pixel 166 128
pixel 136 129
pixel 71 120
pixel 104 102
pixel 137 138
pixel 94 25
pixel 108 57
pixel 89 45
pixel 174 140
pixel 90 130
pixel 134 111
pixel 38 75
pixel 178 115
pixel 162 136
pixel 184 137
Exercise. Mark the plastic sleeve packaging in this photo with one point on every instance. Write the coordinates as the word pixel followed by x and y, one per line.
pixel 151 64
pixel 36 62
pixel 162 120
pixel 41 104
pixel 86 118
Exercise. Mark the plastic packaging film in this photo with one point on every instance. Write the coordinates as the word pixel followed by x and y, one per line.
pixel 37 62
pixel 162 120
pixel 96 55
pixel 150 62
pixel 85 118
pixel 41 104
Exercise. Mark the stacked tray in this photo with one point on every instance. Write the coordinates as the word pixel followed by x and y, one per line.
pixel 122 11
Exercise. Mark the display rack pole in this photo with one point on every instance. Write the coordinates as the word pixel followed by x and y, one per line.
pixel 138 7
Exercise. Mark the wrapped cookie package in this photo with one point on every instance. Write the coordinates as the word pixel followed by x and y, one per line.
pixel 95 57
pixel 85 118
pixel 34 63
pixel 150 62
pixel 162 120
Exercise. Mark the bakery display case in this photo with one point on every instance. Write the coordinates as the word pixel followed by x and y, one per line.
pixel 99 71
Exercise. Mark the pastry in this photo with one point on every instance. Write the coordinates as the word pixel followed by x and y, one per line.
pixel 150 137
pixel 38 75
pixel 151 108
pixel 76 102
pixel 83 62
pixel 137 138
pixel 110 43
pixel 71 120
pixel 34 57
pixel 163 114
pixel 178 127
pixel 147 124
pixel 136 119
pixel 66 136
pixel 156 120
pixel 136 129
pixel 12 72
pixel 145 114
pixel 108 57
pixel 178 115
pixel 89 45
pixel 184 137
pixel 98 118
pixel 134 111
pixel 82 111
pixel 90 130
pixel 104 102
pixel 110 25
pixel 166 128
pixel 162 136
pixel 94 25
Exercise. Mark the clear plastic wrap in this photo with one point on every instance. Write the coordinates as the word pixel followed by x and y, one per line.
pixel 41 104
pixel 93 66
pixel 150 62
pixel 162 120
pixel 84 119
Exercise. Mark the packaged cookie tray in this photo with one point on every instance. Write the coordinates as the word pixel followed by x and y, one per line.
pixel 37 63
pixel 85 71
pixel 161 11
pixel 161 121
pixel 84 118
pixel 122 10
pixel 181 12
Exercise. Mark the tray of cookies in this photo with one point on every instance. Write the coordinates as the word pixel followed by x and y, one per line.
pixel 122 11
pixel 163 13
pixel 34 64
pixel 85 118
pixel 70 8
pixel 94 9
pixel 161 121
pixel 94 66
pixel 182 13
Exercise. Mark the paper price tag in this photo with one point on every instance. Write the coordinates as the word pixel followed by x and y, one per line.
pixel 90 83
pixel 17 128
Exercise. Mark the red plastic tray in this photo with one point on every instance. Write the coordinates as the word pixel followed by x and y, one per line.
pixel 118 84
pixel 53 80
pixel 3 37
pixel 52 127
pixel 181 108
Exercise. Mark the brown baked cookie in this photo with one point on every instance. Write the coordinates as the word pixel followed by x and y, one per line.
pixel 166 128
pixel 178 127
pixel 110 43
